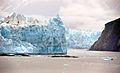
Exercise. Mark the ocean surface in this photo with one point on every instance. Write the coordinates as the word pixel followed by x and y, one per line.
pixel 84 62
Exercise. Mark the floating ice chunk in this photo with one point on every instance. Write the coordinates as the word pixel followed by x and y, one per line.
pixel 107 58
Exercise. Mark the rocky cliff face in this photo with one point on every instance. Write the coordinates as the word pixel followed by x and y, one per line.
pixel 110 38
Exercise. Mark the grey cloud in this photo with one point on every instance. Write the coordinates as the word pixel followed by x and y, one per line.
pixel 113 5
pixel 89 14
pixel 36 7
pixel 49 8
pixel 75 13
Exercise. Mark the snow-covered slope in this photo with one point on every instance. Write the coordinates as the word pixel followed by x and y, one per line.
pixel 81 39
pixel 20 34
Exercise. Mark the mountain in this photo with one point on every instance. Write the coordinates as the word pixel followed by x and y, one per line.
pixel 20 34
pixel 110 37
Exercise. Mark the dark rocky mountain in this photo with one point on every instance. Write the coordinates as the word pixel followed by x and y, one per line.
pixel 110 38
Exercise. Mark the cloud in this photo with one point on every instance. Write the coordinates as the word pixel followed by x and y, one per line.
pixel 86 14
pixel 8 6
pixel 76 14
pixel 31 7
pixel 113 5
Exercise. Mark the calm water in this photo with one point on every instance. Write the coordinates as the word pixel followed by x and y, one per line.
pixel 87 62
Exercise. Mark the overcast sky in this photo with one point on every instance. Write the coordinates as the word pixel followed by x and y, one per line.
pixel 76 14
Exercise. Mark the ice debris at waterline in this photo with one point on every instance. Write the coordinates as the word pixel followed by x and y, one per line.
pixel 20 34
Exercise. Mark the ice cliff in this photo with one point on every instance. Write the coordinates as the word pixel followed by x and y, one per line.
pixel 20 34
pixel 81 39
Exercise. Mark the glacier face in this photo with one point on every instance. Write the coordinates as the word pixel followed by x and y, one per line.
pixel 81 39
pixel 19 34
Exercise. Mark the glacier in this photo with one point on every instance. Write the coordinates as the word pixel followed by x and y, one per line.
pixel 81 39
pixel 31 35
pixel 20 34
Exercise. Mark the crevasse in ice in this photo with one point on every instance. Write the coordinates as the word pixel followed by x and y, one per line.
pixel 20 34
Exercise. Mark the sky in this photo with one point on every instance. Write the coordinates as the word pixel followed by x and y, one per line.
pixel 76 14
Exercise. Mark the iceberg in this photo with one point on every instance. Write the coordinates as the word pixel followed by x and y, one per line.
pixel 20 34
